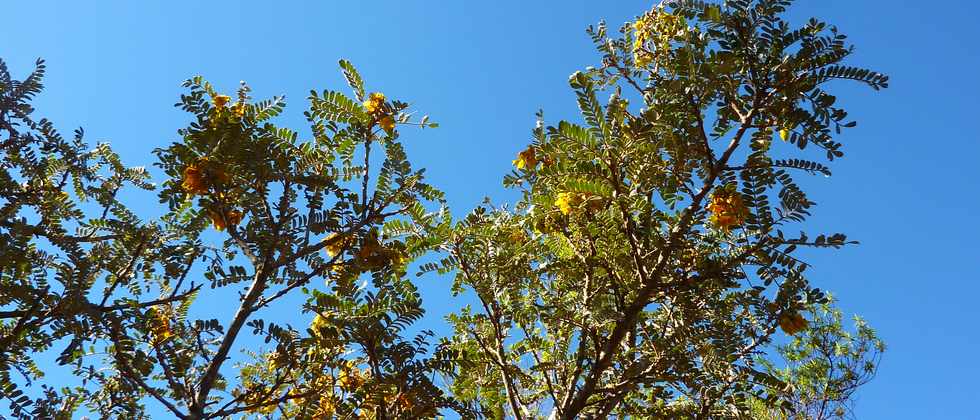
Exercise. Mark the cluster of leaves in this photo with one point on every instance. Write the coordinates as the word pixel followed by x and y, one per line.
pixel 68 248
pixel 645 266
pixel 643 273
pixel 296 211
pixel 823 368
pixel 299 216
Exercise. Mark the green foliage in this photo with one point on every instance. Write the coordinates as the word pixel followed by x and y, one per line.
pixel 68 246
pixel 823 368
pixel 312 217
pixel 297 213
pixel 645 267
pixel 644 272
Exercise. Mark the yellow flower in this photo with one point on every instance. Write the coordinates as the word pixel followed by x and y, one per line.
pixel 784 134
pixel 278 360
pixel 238 109
pixel 660 28
pixel 727 209
pixel 640 24
pixel 564 202
pixel 321 328
pixel 792 323
pixel 373 255
pixel 671 26
pixel 230 218
pixel 374 102
pixel 567 201
pixel 194 182
pixel 319 321
pixel 326 408
pixel 642 58
pixel 335 245
pixel 387 123
pixel 267 408
pixel 526 159
pixel 350 377
pixel 159 326
pixel 220 101
pixel 198 177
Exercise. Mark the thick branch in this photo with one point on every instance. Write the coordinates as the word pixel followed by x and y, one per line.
pixel 650 282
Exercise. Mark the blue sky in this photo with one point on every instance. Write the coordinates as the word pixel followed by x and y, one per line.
pixel 907 188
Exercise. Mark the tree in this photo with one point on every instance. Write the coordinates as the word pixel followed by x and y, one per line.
pixel 291 214
pixel 323 209
pixel 646 266
pixel 66 245
pixel 644 273
pixel 823 368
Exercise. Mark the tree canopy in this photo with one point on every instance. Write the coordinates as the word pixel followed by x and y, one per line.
pixel 650 268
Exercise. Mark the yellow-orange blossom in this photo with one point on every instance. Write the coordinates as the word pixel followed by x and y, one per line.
pixel 194 182
pixel 230 218
pixel 727 209
pixel 526 159
pixel 221 100
pixel 792 322
pixel 374 102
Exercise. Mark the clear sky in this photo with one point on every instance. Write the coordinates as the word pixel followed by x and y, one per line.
pixel 907 188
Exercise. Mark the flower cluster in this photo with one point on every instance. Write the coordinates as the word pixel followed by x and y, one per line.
pixel 194 180
pixel 792 322
pixel 569 201
pixel 727 209
pixel 201 176
pixel 375 105
pixel 350 377
pixel 372 254
pixel 224 219
pixel 526 159
pixel 655 28
pixel 160 330
pixel 253 398
pixel 319 322
pixel 237 110
pixel 220 101
pixel 336 243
